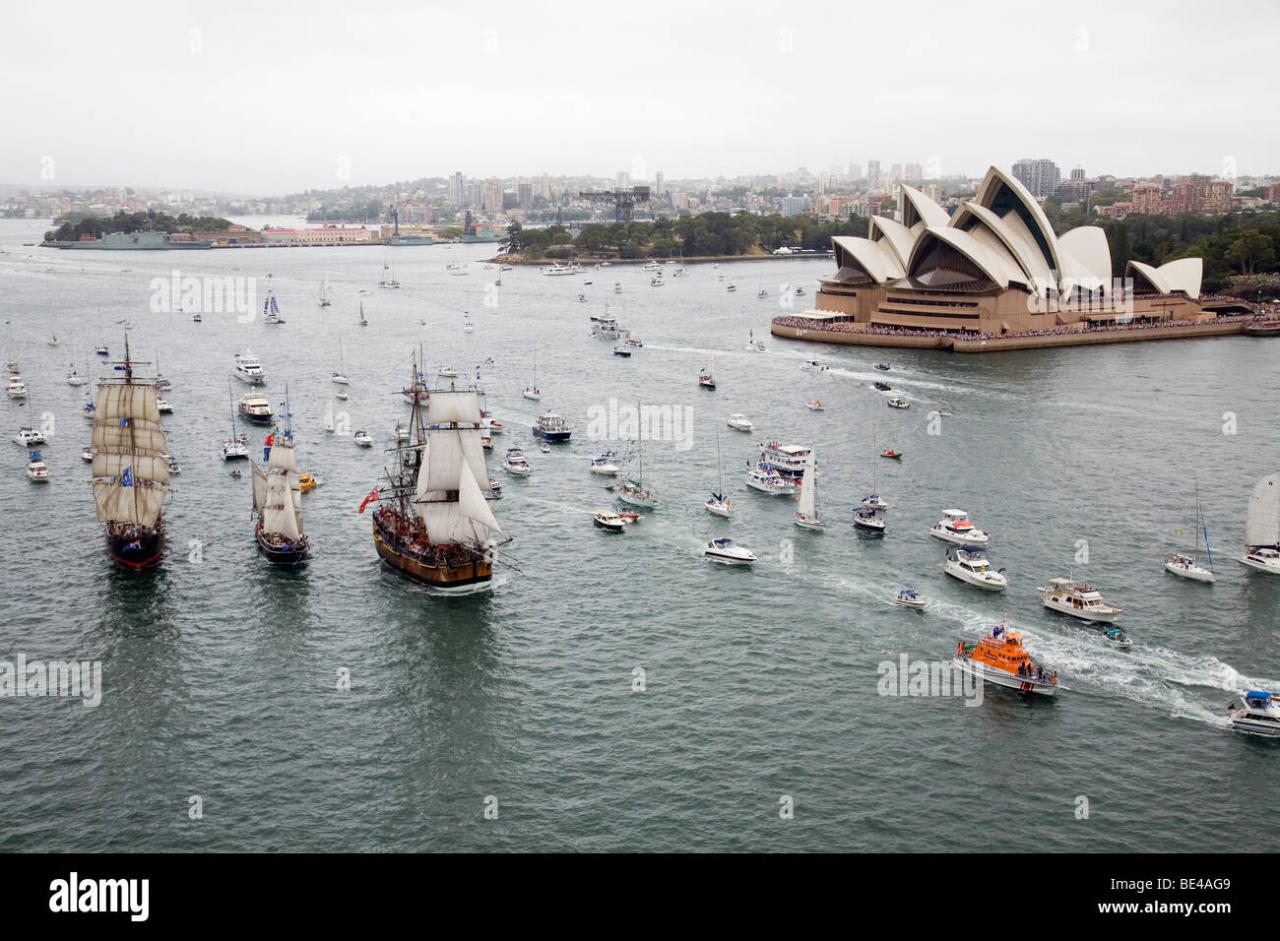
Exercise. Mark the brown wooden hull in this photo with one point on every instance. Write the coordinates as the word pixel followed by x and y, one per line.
pixel 466 577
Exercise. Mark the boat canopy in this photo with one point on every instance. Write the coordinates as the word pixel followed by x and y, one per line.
pixel 1257 694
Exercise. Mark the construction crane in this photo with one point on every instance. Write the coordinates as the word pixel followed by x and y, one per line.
pixel 624 201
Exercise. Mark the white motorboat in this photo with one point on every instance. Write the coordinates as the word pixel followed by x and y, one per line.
pixel 102 350
pixel 37 470
pixel 237 446
pixel 164 406
pixel 362 439
pixel 87 455
pixel 608 520
pixel 868 520
pixel 17 388
pixel 897 401
pixel 872 501
pixel 813 365
pixel 765 478
pixel 1262 527
pixel 559 270
pixel 249 370
pixel 53 339
pixel 516 464
pixel 604 465
pixel 255 407
pixel 739 422
pixel 27 437
pixel 807 516
pixel 1078 599
pixel 972 566
pixel 655 282
pixel 1257 713
pixel 955 527
pixel 725 551
pixel 622 350
pixel 448 372
pixel 908 598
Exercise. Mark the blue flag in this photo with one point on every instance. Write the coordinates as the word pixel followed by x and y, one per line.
pixel 126 479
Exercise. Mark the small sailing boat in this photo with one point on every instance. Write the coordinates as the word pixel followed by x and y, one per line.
pixel 364 322
pixel 532 391
pixel 324 293
pixel 74 378
pixel 807 515
pixel 1262 527
pixel 706 378
pixel 718 504
pixel 388 280
pixel 271 310
pixel 277 501
pixel 236 446
pixel 130 470
pixel 1188 566
pixel 340 377
pixel 632 490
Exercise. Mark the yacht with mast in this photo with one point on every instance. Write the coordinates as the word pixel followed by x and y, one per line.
pixel 340 377
pixel 718 504
pixel 1262 527
pixel 807 515
pixel 324 293
pixel 1188 566
pixel 271 310
pixel 433 521
pixel 130 467
pixel 632 490
pixel 237 446
pixel 277 503
pixel 532 391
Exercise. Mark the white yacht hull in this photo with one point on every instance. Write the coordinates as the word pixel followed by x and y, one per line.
pixel 605 470
pixel 776 490
pixel 718 509
pixel 1104 616
pixel 1195 573
pixel 643 503
pixel 810 523
pixel 1271 566
pixel 956 539
pixel 728 559
pixel 993 582
pixel 517 471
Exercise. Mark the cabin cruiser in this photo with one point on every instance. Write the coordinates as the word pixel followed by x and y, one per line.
pixel 972 566
pixel 1257 713
pixel 739 422
pixel 27 437
pixel 249 370
pixel 765 478
pixel 1078 599
pixel 725 551
pixel 955 527
pixel 37 470
pixel 1186 566
pixel 551 427
pixel 515 463
pixel 254 407
pixel 908 598
pixel 1265 558
pixel 604 464
pixel 164 406
pixel 788 459
pixel 652 266
pixel 608 520
pixel 897 401
pixel 868 520
pixel 882 386
pixel 448 372
pixel 17 388
pixel 235 447
pixel 1002 660
pixel 363 439
pixel 607 328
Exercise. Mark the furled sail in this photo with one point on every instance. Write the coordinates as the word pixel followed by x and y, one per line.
pixel 1262 524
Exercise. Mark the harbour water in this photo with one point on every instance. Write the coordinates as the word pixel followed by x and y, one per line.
pixel 222 677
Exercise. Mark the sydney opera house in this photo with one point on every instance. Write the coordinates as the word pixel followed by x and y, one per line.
pixel 993 269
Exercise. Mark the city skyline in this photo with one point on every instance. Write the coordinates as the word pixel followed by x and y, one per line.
pixel 352 98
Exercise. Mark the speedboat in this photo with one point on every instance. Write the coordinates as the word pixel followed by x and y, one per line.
pixel 956 527
pixel 53 339
pixel 868 520
pixel 545 448
pixel 88 410
pixel 972 566
pixel 174 466
pixel 882 386
pixel 448 372
pixel 815 405
pixel 608 520
pixel 37 470
pixel 551 427
pixel 872 501
pixel 1078 599
pixel 254 407
pixel 235 447
pixel 739 422
pixel 814 366
pixel 897 401
pixel 516 464
pixel 1186 566
pixel 1257 713
pixel 102 350
pixel 1114 637
pixel 341 379
pixel 719 505
pixel 634 341
pixel 1002 660
pixel 892 454
pixel 27 437
pixel 342 395
pixel 731 286
pixel 249 370
pixel 765 478
pixel 726 552
pixel 624 351
pixel 908 598
pixel 363 439
pixel 604 466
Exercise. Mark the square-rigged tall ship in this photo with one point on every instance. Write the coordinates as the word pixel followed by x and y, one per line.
pixel 130 467
pixel 433 521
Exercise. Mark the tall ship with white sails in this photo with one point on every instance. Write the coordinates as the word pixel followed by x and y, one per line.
pixel 277 504
pixel 433 521
pixel 130 467
pixel 1262 526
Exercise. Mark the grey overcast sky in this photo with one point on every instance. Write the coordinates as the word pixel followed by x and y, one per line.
pixel 267 98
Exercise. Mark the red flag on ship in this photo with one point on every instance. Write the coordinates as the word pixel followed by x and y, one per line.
pixel 371 498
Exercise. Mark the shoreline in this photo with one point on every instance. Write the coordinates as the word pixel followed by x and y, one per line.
pixel 1010 343
pixel 693 260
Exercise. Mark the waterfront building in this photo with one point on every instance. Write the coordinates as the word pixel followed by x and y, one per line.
pixel 1040 177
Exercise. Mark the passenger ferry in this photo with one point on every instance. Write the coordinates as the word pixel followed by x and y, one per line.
pixel 955 527
pixel 1257 713
pixel 551 427
pixel 1078 599
pixel 788 459
pixel 1002 660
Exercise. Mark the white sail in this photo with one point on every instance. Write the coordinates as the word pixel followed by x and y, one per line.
pixel 126 400
pixel 460 407
pixel 117 503
pixel 295 487
pixel 808 485
pixel 443 471
pixel 282 457
pixel 1262 525
pixel 474 506
pixel 259 488
pixel 143 466
pixel 473 454
pixel 139 435
pixel 279 516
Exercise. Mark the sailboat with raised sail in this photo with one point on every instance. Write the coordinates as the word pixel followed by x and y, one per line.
pixel 718 504
pixel 277 500
pixel 237 446
pixel 340 377
pixel 324 293
pixel 1262 526
pixel 532 391
pixel 1188 566
pixel 271 310
pixel 364 321
pixel 130 467
pixel 433 521
pixel 807 514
